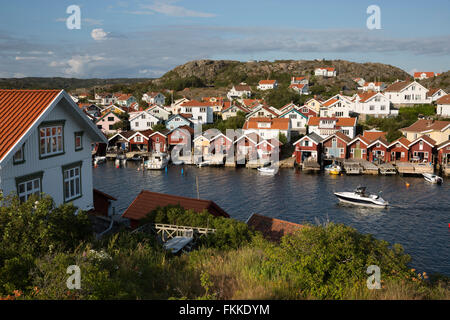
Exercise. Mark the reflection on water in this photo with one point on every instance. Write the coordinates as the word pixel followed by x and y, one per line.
pixel 417 217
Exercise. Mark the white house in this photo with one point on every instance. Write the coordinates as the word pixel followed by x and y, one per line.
pixel 299 80
pixel 159 112
pixel 125 100
pixel 435 94
pixel 337 106
pixel 423 75
pixel 201 112
pixel 443 106
pixel 267 85
pixel 404 92
pixel 297 118
pixel 143 120
pixel 154 98
pixel 325 72
pixel 175 106
pixel 177 120
pixel 262 111
pixel 299 88
pixel 325 127
pixel 372 86
pixel 239 92
pixel 360 81
pixel 372 103
pixel 232 110
pixel 45 147
pixel 268 128
pixel 105 98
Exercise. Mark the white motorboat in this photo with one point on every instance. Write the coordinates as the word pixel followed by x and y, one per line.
pixel 99 159
pixel 360 198
pixel 266 170
pixel 157 161
pixel 432 178
pixel 204 163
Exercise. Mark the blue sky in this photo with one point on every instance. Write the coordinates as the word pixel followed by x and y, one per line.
pixel 146 38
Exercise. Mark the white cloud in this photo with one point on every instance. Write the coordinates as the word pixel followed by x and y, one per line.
pixel 77 65
pixel 99 34
pixel 175 11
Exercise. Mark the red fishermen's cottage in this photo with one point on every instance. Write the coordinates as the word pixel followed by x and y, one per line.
pixel 421 149
pixel 378 150
pixel 358 147
pixel 399 150
pixel 308 148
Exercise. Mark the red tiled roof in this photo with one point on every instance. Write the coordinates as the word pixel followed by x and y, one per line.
pixel 366 96
pixel 397 86
pixel 427 139
pixel 242 88
pixel 340 122
pixel 425 125
pixel 419 74
pixel 148 201
pixel 330 102
pixel 340 135
pixel 19 109
pixel 444 100
pixel 195 103
pixel 267 81
pixel 275 123
pixel 401 140
pixel 271 228
pixel 373 135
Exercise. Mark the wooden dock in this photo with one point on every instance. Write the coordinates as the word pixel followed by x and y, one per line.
pixel 387 169
pixel 310 166
pixel 413 168
pixel 352 167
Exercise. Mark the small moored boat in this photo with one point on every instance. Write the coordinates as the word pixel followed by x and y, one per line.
pixel 432 178
pixel 333 169
pixel 204 163
pixel 266 170
pixel 157 161
pixel 360 198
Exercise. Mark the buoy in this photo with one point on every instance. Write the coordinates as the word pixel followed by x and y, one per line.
pixel 166 169
pixel 182 171
pixel 449 225
pixel 407 184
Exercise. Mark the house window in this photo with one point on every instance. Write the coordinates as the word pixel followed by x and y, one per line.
pixel 78 141
pixel 306 143
pixel 72 181
pixel 383 108
pixel 363 151
pixel 372 108
pixel 157 139
pixel 202 109
pixel 200 118
pixel 305 110
pixel 149 124
pixel 29 185
pixel 188 109
pixel 138 139
pixel 51 140
pixel 111 127
pixel 136 124
pixel 99 126
pixel 352 150
pixel 143 116
pixel 19 156
pixel 293 116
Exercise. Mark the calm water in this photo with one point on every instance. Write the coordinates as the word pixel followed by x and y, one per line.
pixel 418 219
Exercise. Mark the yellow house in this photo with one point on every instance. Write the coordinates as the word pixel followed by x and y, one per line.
pixel 439 131
pixel 201 145
pixel 314 104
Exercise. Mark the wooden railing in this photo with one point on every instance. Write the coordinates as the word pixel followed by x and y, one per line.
pixel 168 231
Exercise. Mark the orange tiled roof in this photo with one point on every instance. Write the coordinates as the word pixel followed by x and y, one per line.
pixel 267 81
pixel 444 100
pixel 373 135
pixel 340 122
pixel 330 102
pixel 366 96
pixel 19 109
pixel 275 123
pixel 428 74
pixel 271 228
pixel 397 86
pixel 195 103
pixel 425 125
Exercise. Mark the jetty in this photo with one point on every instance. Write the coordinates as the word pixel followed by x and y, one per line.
pixel 387 169
pixel 310 166
pixel 414 168
pixel 352 167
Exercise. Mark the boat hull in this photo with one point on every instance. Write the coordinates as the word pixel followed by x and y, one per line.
pixel 364 202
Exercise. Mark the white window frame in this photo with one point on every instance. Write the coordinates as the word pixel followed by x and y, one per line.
pixel 50 140
pixel 72 175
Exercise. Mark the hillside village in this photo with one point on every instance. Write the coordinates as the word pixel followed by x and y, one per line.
pixel 155 120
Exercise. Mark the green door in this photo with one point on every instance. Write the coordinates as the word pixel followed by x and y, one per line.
pixel 357 154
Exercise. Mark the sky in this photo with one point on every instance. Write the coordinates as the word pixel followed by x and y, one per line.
pixel 146 38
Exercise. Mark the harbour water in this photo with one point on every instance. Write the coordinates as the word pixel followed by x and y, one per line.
pixel 418 217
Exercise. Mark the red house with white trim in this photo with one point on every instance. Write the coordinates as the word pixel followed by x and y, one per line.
pixel 358 147
pixel 308 148
pixel 398 150
pixel 335 146
pixel 378 150
pixel 444 153
pixel 421 149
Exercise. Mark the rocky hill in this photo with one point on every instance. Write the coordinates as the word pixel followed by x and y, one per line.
pixel 221 73
pixel 442 81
